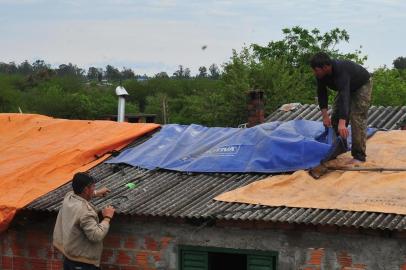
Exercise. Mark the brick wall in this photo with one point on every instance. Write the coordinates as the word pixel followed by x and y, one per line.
pixel 316 257
pixel 28 250
pixel 31 249
pixel 146 244
pixel 128 252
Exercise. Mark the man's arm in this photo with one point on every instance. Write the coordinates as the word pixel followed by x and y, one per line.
pixel 94 231
pixel 101 192
pixel 343 85
pixel 322 98
pixel 326 118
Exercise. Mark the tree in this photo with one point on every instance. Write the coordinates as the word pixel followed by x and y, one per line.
pixel 202 72
pixel 187 73
pixel 9 68
pixel 399 63
pixel 40 65
pixel 9 92
pixel 214 72
pixel 299 44
pixel 69 70
pixel 127 74
pixel 280 69
pixel 25 68
pixel 389 87
pixel 137 93
pixel 112 73
pixel 157 104
pixel 213 98
pixel 93 73
pixel 180 73
pixel 161 75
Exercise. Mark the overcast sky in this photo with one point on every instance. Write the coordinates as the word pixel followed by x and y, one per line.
pixel 151 36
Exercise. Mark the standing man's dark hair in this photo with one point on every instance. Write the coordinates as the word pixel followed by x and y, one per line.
pixel 80 181
pixel 320 59
pixel 354 86
pixel 78 234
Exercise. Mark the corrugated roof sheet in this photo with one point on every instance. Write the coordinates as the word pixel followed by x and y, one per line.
pixel 190 195
pixel 379 116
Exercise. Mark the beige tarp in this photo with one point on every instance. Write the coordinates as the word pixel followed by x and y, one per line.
pixel 345 190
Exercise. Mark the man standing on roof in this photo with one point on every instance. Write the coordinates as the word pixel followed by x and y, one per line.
pixel 353 84
pixel 78 234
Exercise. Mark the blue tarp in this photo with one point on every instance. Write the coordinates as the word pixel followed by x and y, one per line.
pixel 270 147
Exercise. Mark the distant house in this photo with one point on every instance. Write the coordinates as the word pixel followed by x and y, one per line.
pixel 170 221
pixel 105 82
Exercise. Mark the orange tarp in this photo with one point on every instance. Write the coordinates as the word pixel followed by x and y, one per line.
pixel 344 190
pixel 39 153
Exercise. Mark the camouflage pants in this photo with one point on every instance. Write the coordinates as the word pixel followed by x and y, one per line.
pixel 360 101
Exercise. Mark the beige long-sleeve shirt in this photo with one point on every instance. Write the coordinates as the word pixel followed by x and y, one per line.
pixel 78 234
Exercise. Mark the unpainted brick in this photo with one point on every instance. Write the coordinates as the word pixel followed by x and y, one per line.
pixel 151 244
pixel 107 256
pixel 165 242
pixel 6 262
pixel 112 241
pixel 141 259
pixel 123 258
pixel 130 242
pixel 316 256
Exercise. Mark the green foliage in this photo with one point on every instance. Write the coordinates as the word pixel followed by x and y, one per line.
pixel 68 83
pixel 52 100
pixel 299 44
pixel 112 73
pixel 182 73
pixel 389 87
pixel 399 63
pixel 280 69
pixel 202 72
pixel 184 100
pixel 212 98
pixel 10 97
pixel 236 79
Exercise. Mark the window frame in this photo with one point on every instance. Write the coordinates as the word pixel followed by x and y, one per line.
pixel 208 249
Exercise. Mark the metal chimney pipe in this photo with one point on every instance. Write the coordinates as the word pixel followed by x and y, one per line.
pixel 121 109
pixel 121 93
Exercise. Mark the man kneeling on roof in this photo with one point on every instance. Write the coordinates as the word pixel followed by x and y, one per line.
pixel 78 234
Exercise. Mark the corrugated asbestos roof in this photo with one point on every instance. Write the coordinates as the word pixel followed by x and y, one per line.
pixel 190 195
pixel 379 116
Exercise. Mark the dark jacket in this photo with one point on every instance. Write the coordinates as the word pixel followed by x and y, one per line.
pixel 346 77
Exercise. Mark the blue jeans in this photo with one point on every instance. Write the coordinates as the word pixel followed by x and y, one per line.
pixel 72 265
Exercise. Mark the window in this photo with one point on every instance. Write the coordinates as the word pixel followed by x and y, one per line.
pixel 206 258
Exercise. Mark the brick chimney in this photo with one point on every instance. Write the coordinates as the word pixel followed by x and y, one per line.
pixel 255 100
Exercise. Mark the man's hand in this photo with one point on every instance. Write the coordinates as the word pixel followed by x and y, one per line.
pixel 101 192
pixel 326 121
pixel 342 129
pixel 108 212
pixel 326 118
